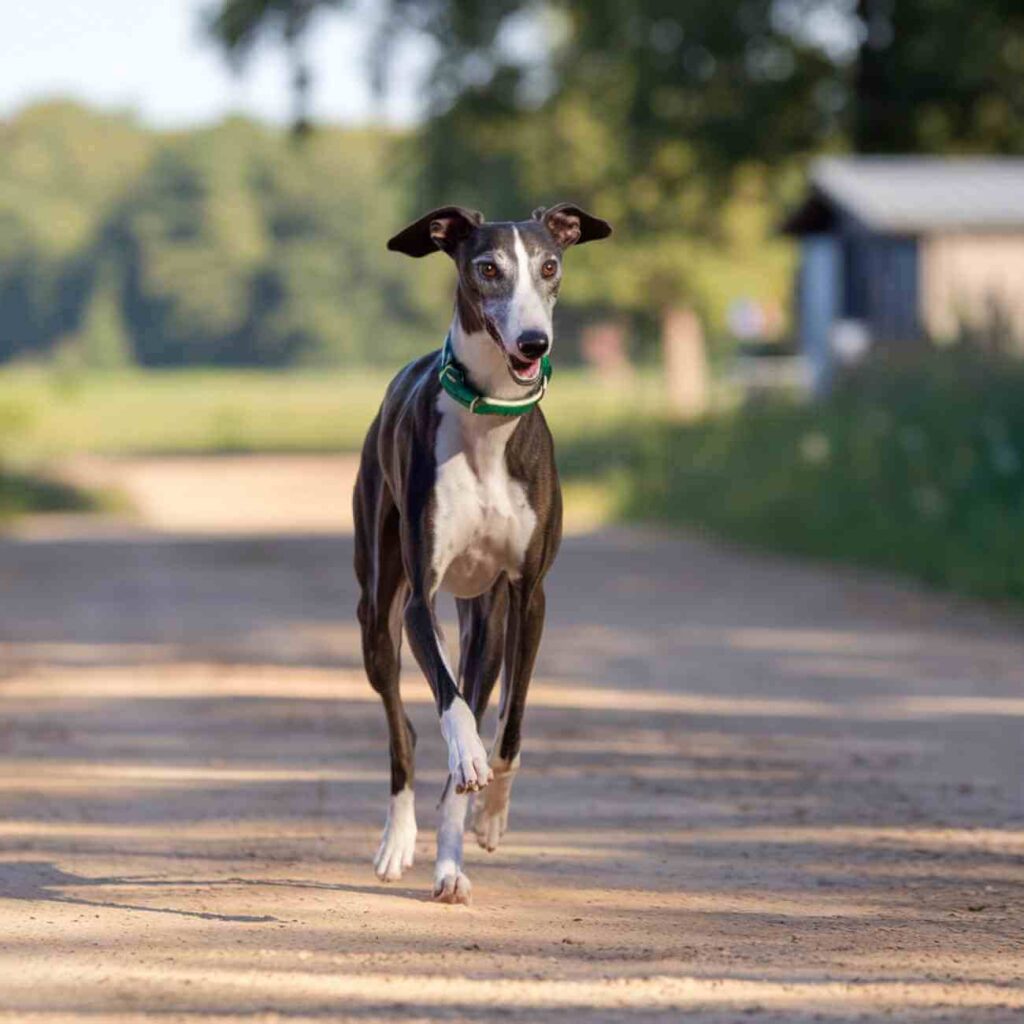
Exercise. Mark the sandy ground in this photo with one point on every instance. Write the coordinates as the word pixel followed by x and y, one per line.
pixel 751 789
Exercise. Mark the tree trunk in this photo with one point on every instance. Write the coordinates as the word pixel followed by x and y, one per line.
pixel 686 364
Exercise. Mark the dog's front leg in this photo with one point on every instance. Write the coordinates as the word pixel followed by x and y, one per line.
pixel 467 757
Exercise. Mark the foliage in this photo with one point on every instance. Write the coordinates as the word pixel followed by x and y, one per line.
pixel 674 120
pixel 103 342
pixel 911 91
pixel 916 467
pixel 660 114
pixel 22 493
pixel 530 103
pixel 709 86
pixel 233 246
pixel 226 245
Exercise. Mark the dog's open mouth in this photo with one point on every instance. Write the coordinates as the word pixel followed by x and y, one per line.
pixel 522 371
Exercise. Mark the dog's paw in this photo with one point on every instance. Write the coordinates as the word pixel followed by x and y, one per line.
pixel 398 843
pixel 452 886
pixel 490 811
pixel 490 826
pixel 467 758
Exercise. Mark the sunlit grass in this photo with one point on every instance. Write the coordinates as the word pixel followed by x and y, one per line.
pixel 49 415
pixel 916 468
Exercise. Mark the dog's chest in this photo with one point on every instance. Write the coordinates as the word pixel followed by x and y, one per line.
pixel 483 521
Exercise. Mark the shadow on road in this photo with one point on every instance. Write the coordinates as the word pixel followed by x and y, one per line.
pixel 43 881
pixel 729 761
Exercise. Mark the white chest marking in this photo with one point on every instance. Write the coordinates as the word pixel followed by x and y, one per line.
pixel 483 521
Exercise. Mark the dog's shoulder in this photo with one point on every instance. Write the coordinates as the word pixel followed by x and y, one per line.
pixel 530 457
pixel 407 424
pixel 414 389
pixel 531 448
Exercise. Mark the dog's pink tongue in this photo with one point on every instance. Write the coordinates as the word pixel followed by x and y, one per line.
pixel 532 369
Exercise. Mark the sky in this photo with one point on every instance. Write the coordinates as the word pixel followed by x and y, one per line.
pixel 152 57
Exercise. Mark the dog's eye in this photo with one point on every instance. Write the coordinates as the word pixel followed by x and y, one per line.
pixel 489 270
pixel 549 268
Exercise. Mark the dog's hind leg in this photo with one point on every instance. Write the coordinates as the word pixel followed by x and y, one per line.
pixel 482 625
pixel 482 644
pixel 382 578
pixel 525 625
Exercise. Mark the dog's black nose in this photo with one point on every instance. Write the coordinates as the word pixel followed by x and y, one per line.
pixel 533 344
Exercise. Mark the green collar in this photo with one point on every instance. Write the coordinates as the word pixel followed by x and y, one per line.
pixel 455 381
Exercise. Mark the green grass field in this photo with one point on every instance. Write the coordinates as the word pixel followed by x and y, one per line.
pixel 917 468
pixel 44 415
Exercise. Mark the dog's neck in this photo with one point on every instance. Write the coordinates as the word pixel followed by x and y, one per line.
pixel 484 362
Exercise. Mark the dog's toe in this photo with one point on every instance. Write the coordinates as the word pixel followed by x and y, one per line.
pixel 397 847
pixel 453 887
pixel 467 758
pixel 391 861
pixel 472 775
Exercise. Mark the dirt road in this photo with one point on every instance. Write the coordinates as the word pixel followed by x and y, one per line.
pixel 751 789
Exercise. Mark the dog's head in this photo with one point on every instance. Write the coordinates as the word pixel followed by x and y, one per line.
pixel 509 272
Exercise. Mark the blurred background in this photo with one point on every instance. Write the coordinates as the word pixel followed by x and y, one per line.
pixel 806 333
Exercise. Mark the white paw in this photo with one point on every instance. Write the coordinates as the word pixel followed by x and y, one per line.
pixel 467 758
pixel 452 886
pixel 398 844
pixel 490 812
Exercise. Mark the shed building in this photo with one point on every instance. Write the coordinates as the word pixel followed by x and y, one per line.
pixel 895 249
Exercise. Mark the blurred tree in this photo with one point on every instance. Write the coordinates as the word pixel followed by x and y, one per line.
pixel 103 337
pixel 225 245
pixel 677 89
pixel 939 76
pixel 703 88
pixel 685 124
pixel 61 172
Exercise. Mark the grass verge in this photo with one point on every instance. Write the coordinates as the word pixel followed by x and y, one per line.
pixel 198 411
pixel 22 493
pixel 916 467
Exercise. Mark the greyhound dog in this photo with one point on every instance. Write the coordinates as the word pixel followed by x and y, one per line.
pixel 457 490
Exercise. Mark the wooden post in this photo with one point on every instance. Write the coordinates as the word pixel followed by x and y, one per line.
pixel 603 347
pixel 686 363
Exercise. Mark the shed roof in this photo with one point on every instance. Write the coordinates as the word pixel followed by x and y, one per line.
pixel 915 195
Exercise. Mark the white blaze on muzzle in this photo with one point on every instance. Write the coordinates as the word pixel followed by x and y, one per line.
pixel 526 309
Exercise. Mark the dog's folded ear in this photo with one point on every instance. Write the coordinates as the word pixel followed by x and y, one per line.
pixel 571 225
pixel 440 229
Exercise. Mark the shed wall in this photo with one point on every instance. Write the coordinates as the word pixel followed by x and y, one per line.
pixel 968 279
pixel 891 281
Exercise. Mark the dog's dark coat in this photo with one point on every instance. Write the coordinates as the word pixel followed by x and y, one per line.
pixel 397 522
pixel 393 555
